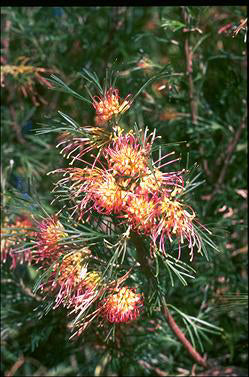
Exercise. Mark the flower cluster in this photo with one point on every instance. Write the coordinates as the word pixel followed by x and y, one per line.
pixel 75 285
pixel 122 305
pixel 125 181
pixel 126 185
pixel 109 105
pixel 17 232
pixel 51 231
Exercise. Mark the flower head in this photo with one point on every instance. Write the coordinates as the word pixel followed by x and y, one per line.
pixel 67 276
pixel 73 267
pixel 50 233
pixel 151 181
pixel 86 289
pixel 96 189
pixel 141 213
pixel 122 305
pixel 176 221
pixel 108 196
pixel 91 280
pixel 87 292
pixel 109 105
pixel 19 231
pixel 126 156
pixel 29 73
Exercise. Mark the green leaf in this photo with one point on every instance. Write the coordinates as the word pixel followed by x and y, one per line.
pixel 62 87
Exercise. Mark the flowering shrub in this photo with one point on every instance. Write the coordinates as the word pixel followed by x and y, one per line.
pixel 121 252
pixel 119 187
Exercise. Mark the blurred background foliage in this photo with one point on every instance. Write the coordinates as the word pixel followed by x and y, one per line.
pixel 199 109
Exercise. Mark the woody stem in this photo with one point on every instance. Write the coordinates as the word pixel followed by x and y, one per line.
pixel 143 259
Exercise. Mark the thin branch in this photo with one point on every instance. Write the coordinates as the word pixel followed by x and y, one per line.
pixel 21 361
pixel 16 126
pixel 5 42
pixel 23 287
pixel 189 68
pixel 228 154
pixel 180 335
pixel 29 292
pixel 143 259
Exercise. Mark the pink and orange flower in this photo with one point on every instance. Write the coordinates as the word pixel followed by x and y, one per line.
pixel 176 220
pixel 68 276
pixel 122 305
pixel 18 232
pixel 51 231
pixel 127 157
pixel 109 105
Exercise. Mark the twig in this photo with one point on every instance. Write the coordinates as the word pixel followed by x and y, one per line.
pixel 16 127
pixel 5 42
pixel 25 289
pixel 20 361
pixel 242 25
pixel 189 68
pixel 15 367
pixel 29 292
pixel 229 151
pixel 180 335
pixel 145 267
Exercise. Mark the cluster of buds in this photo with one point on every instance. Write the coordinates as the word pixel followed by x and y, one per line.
pixel 109 105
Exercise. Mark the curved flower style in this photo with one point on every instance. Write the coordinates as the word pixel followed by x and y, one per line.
pixel 122 305
pixel 18 230
pixel 175 220
pixel 95 138
pixel 48 237
pixel 69 276
pixel 109 105
pixel 96 189
pixel 87 291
